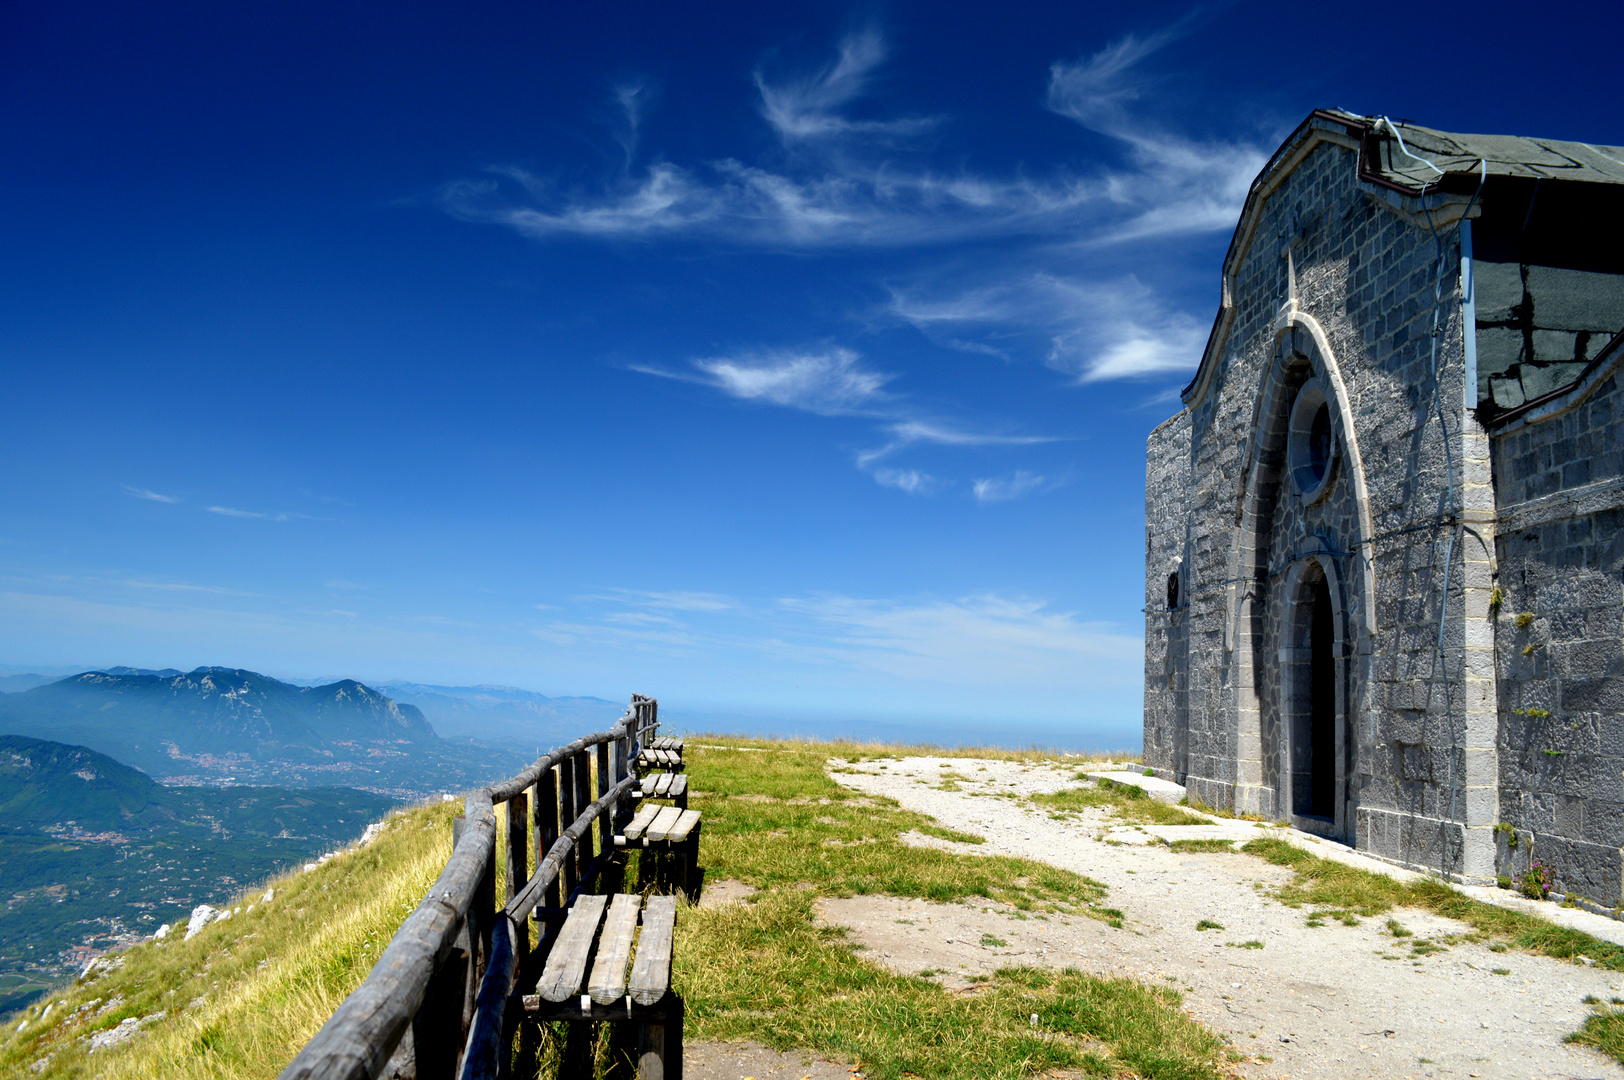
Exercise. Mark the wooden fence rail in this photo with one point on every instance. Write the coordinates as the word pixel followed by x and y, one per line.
pixel 435 1005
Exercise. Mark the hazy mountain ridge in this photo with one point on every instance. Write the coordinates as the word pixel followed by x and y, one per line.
pixel 506 714
pixel 98 854
pixel 224 725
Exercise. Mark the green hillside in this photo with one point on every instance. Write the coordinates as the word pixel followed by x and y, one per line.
pixel 97 854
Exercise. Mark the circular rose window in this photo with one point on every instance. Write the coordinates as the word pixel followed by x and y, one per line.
pixel 1310 443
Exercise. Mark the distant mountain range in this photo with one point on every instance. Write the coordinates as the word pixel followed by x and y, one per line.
pixel 97 853
pixel 223 725
pixel 506 714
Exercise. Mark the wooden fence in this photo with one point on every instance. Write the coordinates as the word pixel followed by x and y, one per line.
pixel 436 1004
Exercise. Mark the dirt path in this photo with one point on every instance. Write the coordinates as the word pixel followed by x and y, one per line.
pixel 1333 1001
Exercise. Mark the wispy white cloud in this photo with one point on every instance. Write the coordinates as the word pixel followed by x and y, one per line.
pixel 1007 489
pixel 905 433
pixel 911 481
pixel 151 496
pixel 867 182
pixel 1181 185
pixel 181 586
pixel 810 107
pixel 233 512
pixel 667 601
pixel 1088 329
pixel 982 640
pixel 831 382
pixel 834 382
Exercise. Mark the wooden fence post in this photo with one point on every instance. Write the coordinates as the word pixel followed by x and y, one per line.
pixel 606 821
pixel 583 799
pixel 566 817
pixel 546 813
pixel 518 862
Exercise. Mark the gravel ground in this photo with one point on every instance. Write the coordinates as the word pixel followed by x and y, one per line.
pixel 1333 1001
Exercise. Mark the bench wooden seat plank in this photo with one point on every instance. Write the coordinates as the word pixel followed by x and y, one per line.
pixel 664 821
pixel 637 825
pixel 683 826
pixel 679 786
pixel 566 964
pixel 663 785
pixel 651 974
pixel 608 980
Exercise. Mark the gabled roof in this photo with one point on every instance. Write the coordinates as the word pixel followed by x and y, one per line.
pixel 1461 161
pixel 1505 155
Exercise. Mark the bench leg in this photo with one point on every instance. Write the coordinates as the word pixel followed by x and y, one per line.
pixel 576 1061
pixel 659 1051
pixel 690 864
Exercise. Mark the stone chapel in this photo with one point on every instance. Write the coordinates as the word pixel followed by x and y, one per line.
pixel 1384 544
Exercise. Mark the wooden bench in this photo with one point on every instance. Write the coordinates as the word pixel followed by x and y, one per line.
pixel 670 834
pixel 591 975
pixel 665 785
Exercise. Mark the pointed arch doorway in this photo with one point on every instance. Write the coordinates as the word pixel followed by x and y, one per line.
pixel 1312 688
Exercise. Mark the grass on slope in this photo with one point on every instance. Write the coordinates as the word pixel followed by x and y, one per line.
pixel 241 997
pixel 1337 888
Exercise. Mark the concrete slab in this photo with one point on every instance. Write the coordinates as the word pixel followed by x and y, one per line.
pixel 1161 790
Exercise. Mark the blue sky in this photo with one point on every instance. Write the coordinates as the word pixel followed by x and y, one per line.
pixel 777 360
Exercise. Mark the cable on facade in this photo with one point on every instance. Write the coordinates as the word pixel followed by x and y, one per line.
pixel 1442 240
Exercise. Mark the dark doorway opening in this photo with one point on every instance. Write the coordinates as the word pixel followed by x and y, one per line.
pixel 1322 707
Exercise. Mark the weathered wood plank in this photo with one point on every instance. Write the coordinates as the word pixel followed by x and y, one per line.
pixel 660 828
pixel 485 1043
pixel 542 764
pixel 638 824
pixel 546 814
pixel 651 973
pixel 518 862
pixel 547 870
pixel 608 980
pixel 679 786
pixel 606 820
pixel 663 784
pixel 567 812
pixel 583 799
pixel 684 825
pixel 359 1037
pixel 566 964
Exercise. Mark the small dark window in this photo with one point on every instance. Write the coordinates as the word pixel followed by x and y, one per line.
pixel 1319 443
pixel 1311 443
pixel 1172 590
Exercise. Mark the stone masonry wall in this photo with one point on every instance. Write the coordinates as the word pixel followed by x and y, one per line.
pixel 1366 274
pixel 1167 486
pixel 1560 486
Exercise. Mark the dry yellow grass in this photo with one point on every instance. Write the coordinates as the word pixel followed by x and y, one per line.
pixel 852 750
pixel 242 996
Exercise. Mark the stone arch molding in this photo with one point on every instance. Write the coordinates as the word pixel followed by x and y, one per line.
pixel 1307 340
